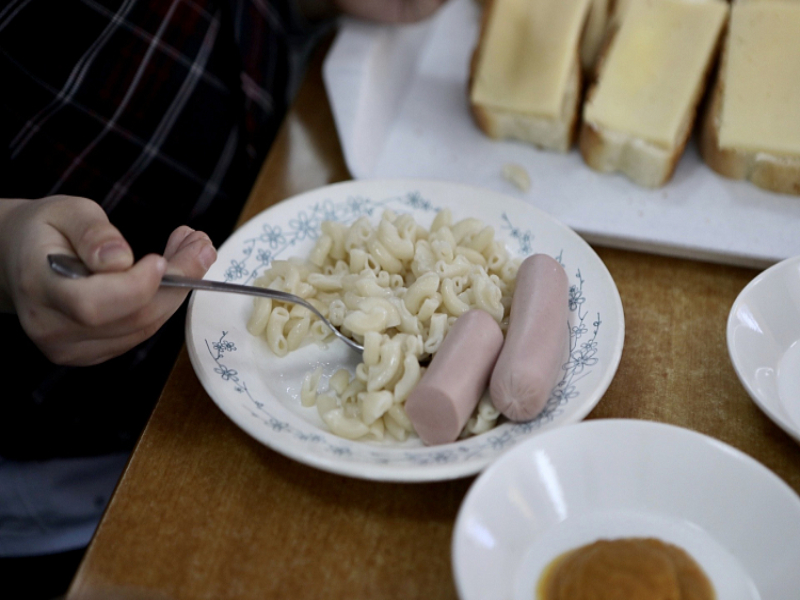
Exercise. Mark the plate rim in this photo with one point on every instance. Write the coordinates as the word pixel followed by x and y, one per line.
pixel 764 404
pixel 412 472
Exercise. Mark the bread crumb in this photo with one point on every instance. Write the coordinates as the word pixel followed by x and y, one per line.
pixel 517 175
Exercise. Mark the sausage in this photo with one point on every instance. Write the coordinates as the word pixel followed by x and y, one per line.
pixel 451 387
pixel 536 341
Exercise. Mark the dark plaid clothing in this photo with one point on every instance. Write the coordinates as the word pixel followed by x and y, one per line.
pixel 162 112
pixel 159 110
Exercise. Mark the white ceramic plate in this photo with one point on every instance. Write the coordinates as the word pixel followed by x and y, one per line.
pixel 764 342
pixel 260 392
pixel 627 478
pixel 398 96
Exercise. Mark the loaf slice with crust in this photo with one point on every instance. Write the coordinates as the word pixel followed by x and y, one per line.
pixel 640 112
pixel 751 126
pixel 525 73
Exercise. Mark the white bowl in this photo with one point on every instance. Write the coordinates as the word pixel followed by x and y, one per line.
pixel 627 478
pixel 764 342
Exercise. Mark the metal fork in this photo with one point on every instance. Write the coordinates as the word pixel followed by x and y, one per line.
pixel 72 267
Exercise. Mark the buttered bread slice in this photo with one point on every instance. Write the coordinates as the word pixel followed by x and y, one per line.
pixel 639 113
pixel 525 76
pixel 751 129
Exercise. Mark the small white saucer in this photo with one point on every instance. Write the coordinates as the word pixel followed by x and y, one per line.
pixel 627 478
pixel 764 342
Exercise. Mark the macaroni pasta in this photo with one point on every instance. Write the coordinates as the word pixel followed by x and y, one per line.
pixel 397 288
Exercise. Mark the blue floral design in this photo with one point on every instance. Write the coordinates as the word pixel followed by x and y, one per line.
pixel 272 236
pixel 305 226
pixel 415 200
pixel 236 270
pixel 523 238
pixel 217 350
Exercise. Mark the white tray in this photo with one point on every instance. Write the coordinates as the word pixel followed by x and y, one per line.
pixel 399 100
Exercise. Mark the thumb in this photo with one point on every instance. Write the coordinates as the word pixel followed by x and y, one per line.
pixel 97 242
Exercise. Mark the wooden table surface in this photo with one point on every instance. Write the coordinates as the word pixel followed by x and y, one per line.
pixel 205 511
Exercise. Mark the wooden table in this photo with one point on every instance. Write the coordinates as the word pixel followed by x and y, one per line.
pixel 205 511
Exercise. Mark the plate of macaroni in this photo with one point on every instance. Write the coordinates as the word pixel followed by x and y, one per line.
pixel 391 263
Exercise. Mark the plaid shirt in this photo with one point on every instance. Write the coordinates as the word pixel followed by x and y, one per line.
pixel 149 107
pixel 161 111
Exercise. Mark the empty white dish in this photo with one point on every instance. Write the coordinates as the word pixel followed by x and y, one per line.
pixel 603 479
pixel 764 342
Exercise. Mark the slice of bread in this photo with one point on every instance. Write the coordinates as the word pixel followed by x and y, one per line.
pixel 639 113
pixel 751 126
pixel 525 73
